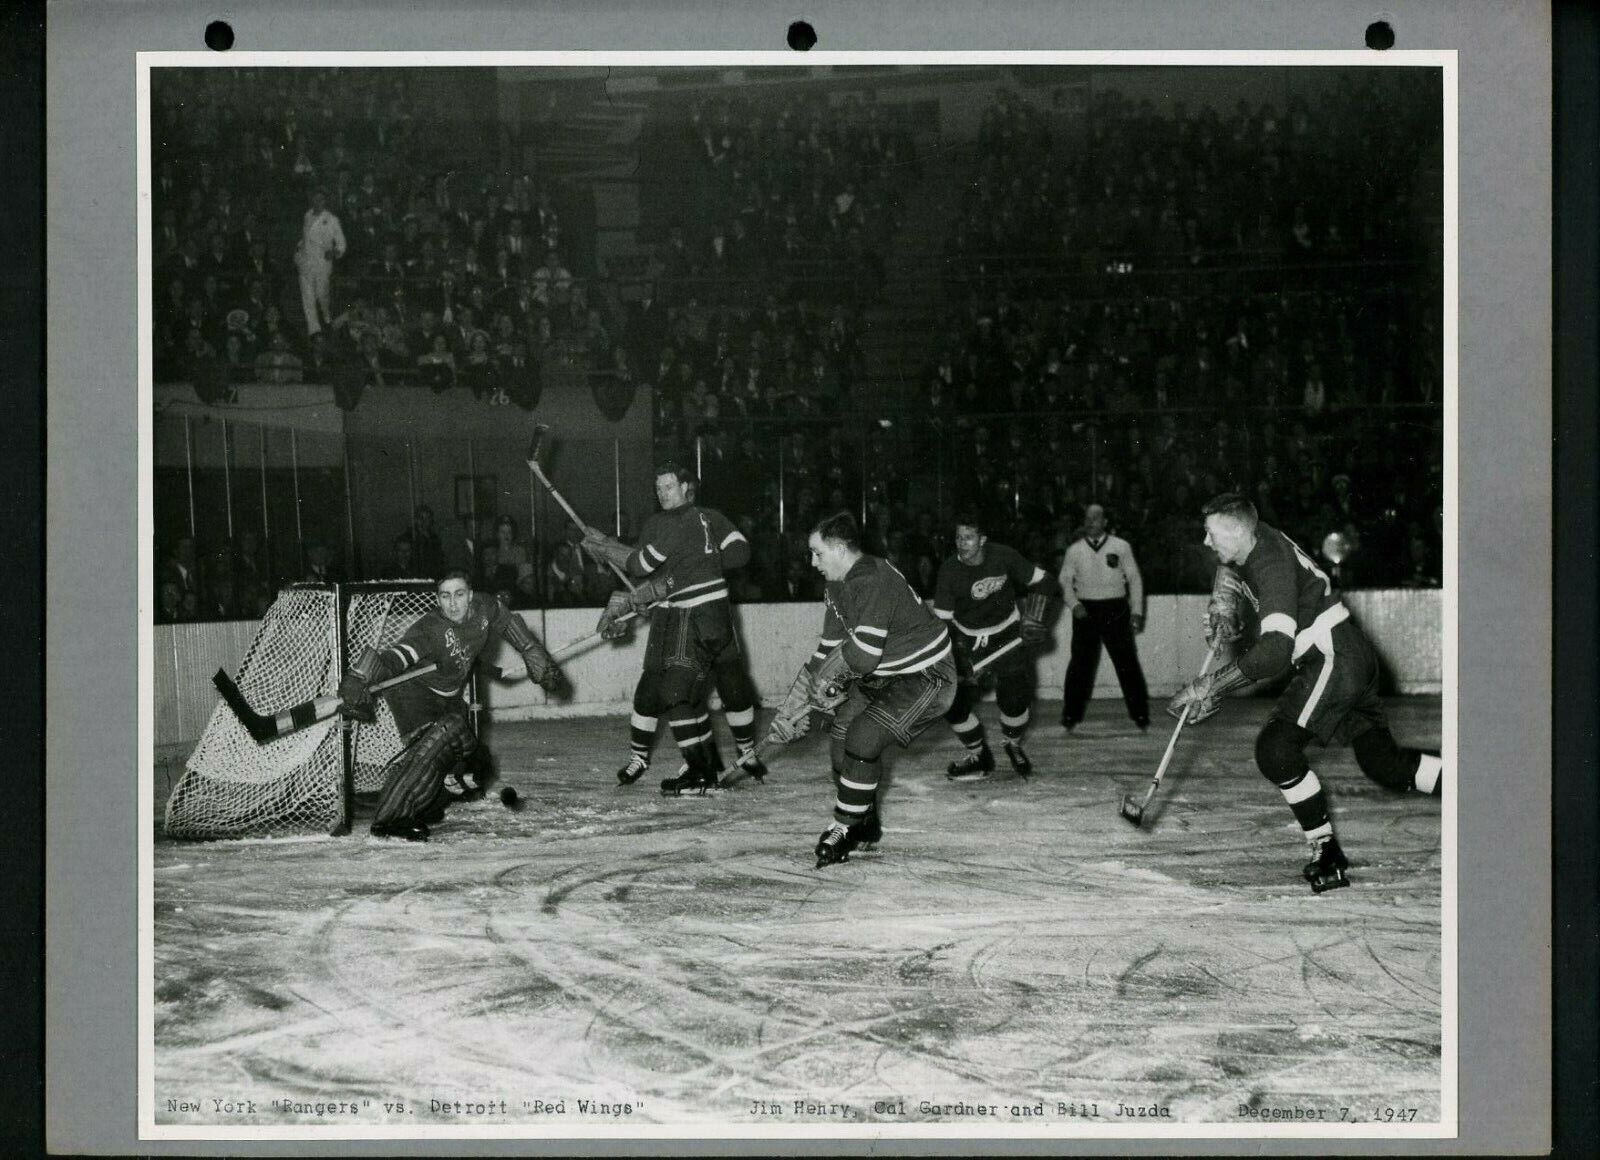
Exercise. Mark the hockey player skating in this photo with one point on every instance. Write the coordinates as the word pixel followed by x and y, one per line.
pixel 1332 696
pixel 994 601
pixel 683 551
pixel 429 712
pixel 884 667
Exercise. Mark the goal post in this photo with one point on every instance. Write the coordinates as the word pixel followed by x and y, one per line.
pixel 307 781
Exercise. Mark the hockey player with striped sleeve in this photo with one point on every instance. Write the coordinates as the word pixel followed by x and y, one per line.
pixel 683 551
pixel 1332 696
pixel 884 667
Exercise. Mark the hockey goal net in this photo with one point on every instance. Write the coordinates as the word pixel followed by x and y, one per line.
pixel 303 782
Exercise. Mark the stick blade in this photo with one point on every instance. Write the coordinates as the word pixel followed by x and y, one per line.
pixel 261 729
pixel 1132 812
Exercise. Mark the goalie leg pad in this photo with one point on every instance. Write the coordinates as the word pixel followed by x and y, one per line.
pixel 416 777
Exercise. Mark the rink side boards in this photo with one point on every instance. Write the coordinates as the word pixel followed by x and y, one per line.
pixel 1405 625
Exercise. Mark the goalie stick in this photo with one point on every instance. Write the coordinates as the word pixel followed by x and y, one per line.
pixel 268 727
pixel 264 727
pixel 1132 811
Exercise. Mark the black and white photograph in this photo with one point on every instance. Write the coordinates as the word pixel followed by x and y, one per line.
pixel 899 596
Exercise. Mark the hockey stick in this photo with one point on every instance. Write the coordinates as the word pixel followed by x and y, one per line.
pixel 264 727
pixel 1132 811
pixel 533 466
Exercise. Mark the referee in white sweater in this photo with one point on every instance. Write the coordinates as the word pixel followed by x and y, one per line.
pixel 1100 583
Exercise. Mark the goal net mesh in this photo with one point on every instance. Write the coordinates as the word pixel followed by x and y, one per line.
pixel 232 787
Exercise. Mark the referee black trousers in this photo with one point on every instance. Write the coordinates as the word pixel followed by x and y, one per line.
pixel 1109 623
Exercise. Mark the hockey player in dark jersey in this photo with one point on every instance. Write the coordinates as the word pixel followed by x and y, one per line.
pixel 1332 696
pixel 994 602
pixel 728 676
pixel 884 667
pixel 429 712
pixel 682 554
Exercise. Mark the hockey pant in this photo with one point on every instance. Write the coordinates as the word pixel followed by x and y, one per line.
pixel 414 788
pixel 689 648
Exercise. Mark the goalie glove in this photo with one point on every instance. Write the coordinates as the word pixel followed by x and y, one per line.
pixel 1203 695
pixel 1031 608
pixel 542 668
pixel 1224 620
pixel 649 593
pixel 606 549
pixel 793 719
pixel 358 704
pixel 611 624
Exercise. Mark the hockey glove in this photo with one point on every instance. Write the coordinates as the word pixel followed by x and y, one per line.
pixel 1224 621
pixel 1203 695
pixel 605 549
pixel 544 672
pixel 650 592
pixel 542 669
pixel 793 719
pixel 358 704
pixel 1031 608
pixel 611 625
pixel 830 684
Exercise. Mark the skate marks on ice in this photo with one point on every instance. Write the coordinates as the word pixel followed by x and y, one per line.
pixel 1010 943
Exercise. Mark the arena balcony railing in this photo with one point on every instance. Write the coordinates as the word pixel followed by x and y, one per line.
pixel 776 474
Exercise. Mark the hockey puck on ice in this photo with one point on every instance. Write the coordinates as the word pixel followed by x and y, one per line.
pixel 509 798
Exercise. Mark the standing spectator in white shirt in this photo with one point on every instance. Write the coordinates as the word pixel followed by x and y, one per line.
pixel 321 244
pixel 1101 585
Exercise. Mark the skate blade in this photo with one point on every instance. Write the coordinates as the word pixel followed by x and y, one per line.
pixel 1321 885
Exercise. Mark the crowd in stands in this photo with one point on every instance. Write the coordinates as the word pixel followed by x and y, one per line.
pixel 1143 307
pixel 439 279
pixel 781 187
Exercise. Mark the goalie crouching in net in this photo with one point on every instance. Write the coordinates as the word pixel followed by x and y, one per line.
pixel 1332 697
pixel 884 667
pixel 429 712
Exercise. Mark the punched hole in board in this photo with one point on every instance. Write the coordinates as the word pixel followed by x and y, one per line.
pixel 801 36
pixel 1380 35
pixel 219 36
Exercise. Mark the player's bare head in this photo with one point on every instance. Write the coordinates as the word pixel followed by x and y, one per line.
pixel 455 595
pixel 971 535
pixel 675 485
pixel 1094 519
pixel 835 544
pixel 1230 526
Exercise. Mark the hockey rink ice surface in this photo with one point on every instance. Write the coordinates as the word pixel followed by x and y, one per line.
pixel 608 956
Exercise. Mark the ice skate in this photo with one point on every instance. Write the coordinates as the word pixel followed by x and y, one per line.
pixel 867 833
pixel 410 831
pixel 1018 758
pixel 834 845
pixel 636 768
pixel 972 767
pixel 1326 870
pixel 690 781
pixel 750 761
